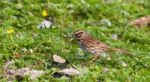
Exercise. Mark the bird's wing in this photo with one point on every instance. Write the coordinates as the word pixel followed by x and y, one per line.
pixel 101 46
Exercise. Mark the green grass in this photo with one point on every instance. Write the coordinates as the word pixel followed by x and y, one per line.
pixel 71 15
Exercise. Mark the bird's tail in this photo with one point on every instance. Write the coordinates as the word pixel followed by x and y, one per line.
pixel 121 51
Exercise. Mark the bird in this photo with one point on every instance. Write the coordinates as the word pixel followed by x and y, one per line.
pixel 93 45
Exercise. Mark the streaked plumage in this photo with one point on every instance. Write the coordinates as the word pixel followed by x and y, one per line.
pixel 92 45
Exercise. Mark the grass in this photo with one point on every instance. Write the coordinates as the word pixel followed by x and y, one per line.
pixel 24 16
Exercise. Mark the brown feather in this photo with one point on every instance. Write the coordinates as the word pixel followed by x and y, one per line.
pixel 93 45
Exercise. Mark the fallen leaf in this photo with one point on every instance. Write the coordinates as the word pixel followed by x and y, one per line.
pixel 58 59
pixel 35 73
pixel 70 71
pixel 9 74
pixel 6 67
pixel 142 21
pixel 17 55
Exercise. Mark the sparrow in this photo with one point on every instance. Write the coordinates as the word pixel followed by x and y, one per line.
pixel 92 45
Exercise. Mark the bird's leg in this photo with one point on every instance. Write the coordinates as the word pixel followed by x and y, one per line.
pixel 94 58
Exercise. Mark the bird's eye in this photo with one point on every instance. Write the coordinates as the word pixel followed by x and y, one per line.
pixel 78 35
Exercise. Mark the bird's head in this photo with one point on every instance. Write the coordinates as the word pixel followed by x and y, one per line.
pixel 80 34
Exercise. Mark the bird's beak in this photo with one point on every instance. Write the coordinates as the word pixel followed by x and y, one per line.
pixel 72 37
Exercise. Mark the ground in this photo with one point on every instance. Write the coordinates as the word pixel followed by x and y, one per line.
pixel 23 42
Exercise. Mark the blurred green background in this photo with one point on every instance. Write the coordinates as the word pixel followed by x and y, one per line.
pixel 22 41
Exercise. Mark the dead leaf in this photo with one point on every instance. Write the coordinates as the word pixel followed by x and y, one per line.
pixel 10 74
pixel 17 55
pixel 6 67
pixel 35 73
pixel 58 59
pixel 142 21
pixel 70 71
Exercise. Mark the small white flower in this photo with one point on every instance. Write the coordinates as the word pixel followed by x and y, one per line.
pixel 45 24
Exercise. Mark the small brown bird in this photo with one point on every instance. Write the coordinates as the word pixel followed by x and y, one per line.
pixel 92 45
